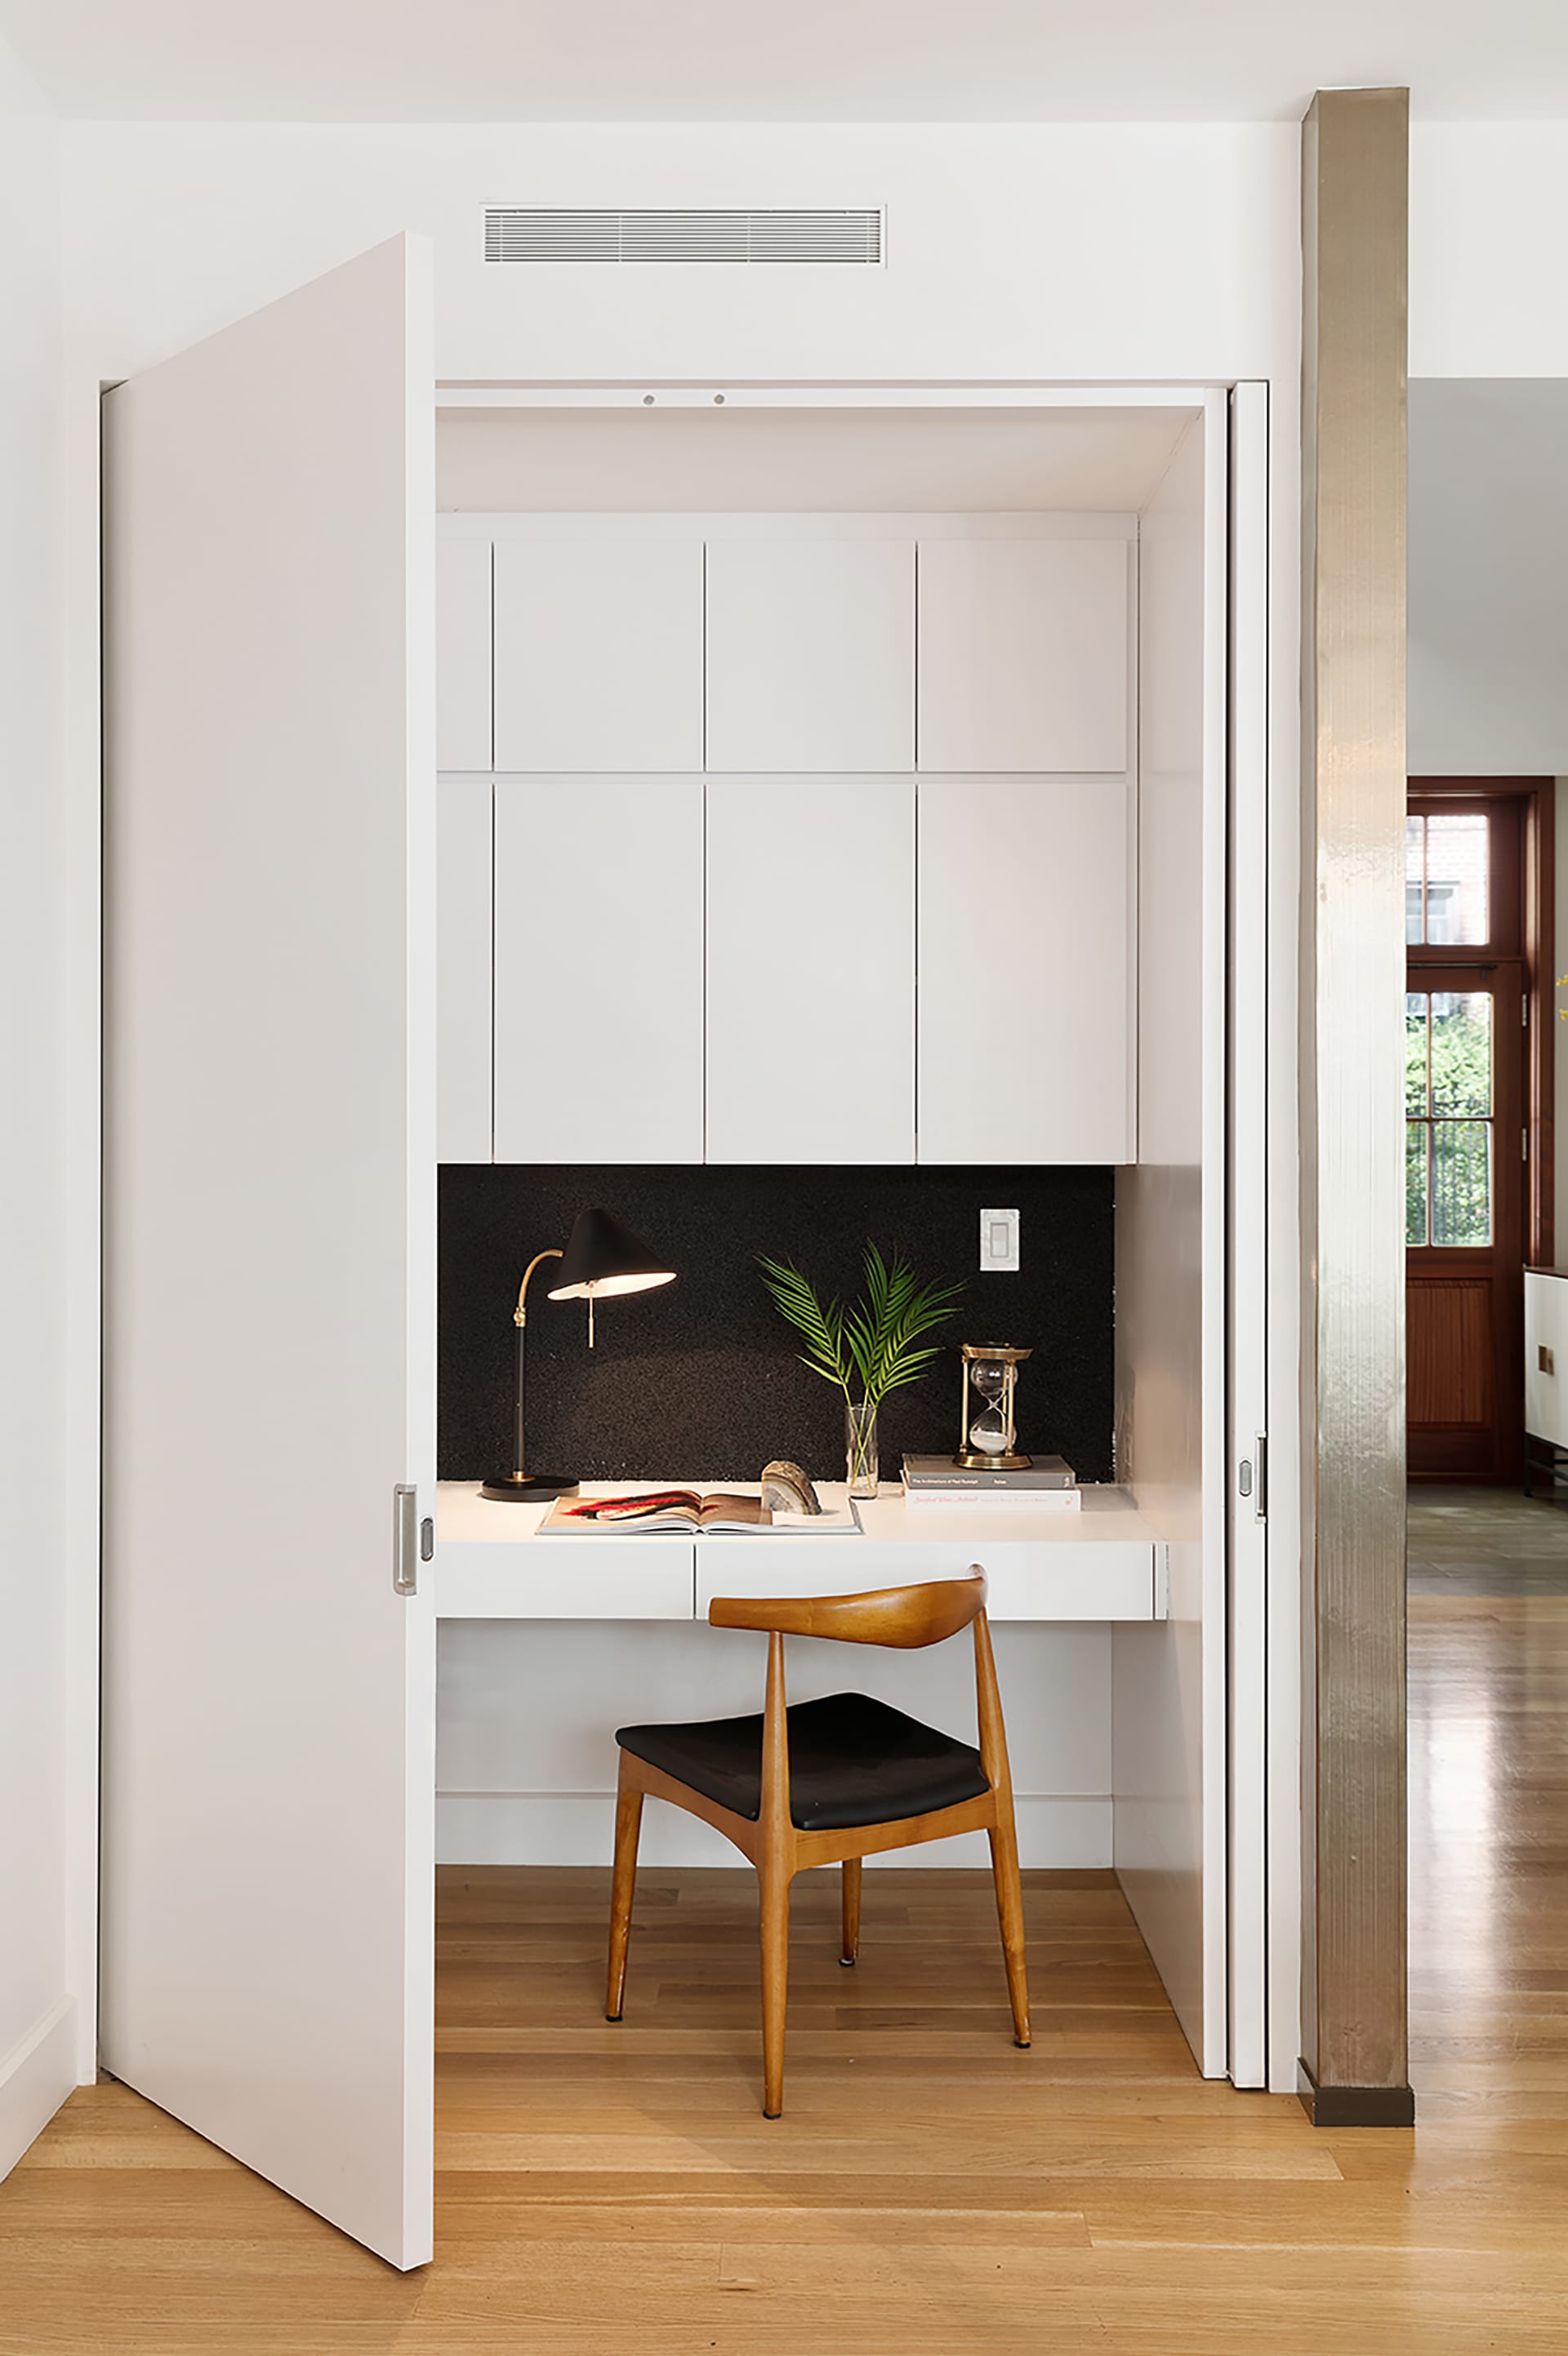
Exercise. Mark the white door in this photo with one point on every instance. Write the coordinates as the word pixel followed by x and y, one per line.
pixel 811 654
pixel 599 969
pixel 1023 659
pixel 599 655
pixel 1025 1044
pixel 810 969
pixel 268 1801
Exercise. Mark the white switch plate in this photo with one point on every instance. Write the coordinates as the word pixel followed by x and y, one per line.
pixel 998 1239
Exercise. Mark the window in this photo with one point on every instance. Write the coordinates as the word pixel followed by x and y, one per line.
pixel 1449 1123
pixel 1447 879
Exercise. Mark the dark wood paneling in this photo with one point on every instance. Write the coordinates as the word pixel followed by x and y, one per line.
pixel 1449 1340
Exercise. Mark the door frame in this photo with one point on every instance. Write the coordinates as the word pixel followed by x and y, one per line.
pixel 1537 800
pixel 1273 687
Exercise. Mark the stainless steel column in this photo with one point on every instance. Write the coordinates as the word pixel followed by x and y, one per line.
pixel 1354 236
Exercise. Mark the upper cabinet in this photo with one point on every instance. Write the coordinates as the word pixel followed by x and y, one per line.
pixel 811 654
pixel 599 969
pixel 599 655
pixel 1024 1032
pixel 810 1049
pixel 813 839
pixel 1023 655
pixel 462 645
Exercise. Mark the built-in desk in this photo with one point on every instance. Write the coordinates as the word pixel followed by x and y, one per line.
pixel 1104 1563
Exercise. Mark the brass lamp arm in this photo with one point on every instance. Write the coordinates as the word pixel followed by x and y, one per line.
pixel 519 1314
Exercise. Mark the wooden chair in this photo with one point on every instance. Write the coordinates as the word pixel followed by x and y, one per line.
pixel 829 1782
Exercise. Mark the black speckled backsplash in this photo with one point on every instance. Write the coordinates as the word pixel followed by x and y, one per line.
pixel 700 1378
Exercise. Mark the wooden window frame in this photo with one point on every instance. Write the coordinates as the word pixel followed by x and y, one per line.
pixel 1522 923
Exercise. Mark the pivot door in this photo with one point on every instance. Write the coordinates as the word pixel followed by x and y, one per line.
pixel 268 1805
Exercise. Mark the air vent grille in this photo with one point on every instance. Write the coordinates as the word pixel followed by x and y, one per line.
pixel 549 233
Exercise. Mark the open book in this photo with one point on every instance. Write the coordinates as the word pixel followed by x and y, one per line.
pixel 722 1514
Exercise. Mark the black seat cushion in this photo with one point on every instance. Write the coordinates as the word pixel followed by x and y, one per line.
pixel 853 1761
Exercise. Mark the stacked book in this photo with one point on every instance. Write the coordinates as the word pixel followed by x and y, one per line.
pixel 1045 1486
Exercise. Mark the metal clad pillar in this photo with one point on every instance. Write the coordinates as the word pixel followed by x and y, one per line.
pixel 1354 236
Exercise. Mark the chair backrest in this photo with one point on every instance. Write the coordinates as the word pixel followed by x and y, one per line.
pixel 905 1617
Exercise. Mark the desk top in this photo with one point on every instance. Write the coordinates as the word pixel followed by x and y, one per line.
pixel 1105 1562
pixel 1107 1516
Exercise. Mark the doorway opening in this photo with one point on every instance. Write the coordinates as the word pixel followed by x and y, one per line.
pixel 1478 1112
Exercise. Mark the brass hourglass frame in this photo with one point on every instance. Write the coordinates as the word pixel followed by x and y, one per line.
pixel 975 1460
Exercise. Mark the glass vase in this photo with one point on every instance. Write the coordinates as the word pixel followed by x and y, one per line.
pixel 860 1437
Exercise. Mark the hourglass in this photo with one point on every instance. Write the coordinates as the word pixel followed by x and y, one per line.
pixel 988 1434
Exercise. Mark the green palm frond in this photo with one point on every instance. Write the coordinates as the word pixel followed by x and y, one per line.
pixel 876 1340
pixel 821 1329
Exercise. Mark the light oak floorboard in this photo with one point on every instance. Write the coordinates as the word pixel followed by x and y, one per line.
pixel 929 2189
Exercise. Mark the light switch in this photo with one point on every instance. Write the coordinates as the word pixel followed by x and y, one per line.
pixel 998 1239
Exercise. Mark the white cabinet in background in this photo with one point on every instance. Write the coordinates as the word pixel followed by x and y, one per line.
pixel 1023 655
pixel 810 969
pixel 599 969
pixel 810 660
pixel 599 655
pixel 462 645
pixel 463 1009
pixel 1024 1052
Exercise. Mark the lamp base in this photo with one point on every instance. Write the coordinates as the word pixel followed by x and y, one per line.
pixel 523 1488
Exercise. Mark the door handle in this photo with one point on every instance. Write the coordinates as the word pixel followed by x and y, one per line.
pixel 405 1539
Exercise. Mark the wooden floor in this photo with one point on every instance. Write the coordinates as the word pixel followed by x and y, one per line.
pixel 613 2192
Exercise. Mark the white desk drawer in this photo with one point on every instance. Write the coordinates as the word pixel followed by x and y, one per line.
pixel 1027 1580
pixel 565 1579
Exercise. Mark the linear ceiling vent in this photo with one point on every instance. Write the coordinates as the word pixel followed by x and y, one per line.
pixel 551 233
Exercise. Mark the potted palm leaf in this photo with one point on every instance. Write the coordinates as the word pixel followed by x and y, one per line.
pixel 875 1345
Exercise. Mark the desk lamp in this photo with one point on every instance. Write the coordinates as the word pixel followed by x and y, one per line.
pixel 601 1257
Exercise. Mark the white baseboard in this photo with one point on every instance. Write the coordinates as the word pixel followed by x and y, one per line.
pixel 35 2076
pixel 578 1828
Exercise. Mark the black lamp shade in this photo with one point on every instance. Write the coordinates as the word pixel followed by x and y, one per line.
pixel 602 1257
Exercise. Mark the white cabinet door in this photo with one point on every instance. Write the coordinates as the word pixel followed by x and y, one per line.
pixel 810 980
pixel 463 994
pixel 1024 1044
pixel 810 654
pixel 462 644
pixel 599 969
pixel 599 655
pixel 1024 654
pixel 268 1906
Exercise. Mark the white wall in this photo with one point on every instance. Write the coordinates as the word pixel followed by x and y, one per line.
pixel 1488 577
pixel 525 1765
pixel 1059 249
pixel 1090 251
pixel 38 2052
pixel 1488 221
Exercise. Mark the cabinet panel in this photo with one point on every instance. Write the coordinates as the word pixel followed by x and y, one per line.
pixel 462 646
pixel 599 969
pixel 810 654
pixel 1023 652
pixel 599 655
pixel 1024 1047
pixel 463 1010
pixel 810 969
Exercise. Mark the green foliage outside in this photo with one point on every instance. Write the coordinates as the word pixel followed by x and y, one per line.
pixel 1461 1097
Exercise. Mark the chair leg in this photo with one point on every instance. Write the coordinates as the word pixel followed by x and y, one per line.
pixel 774 1910
pixel 850 1872
pixel 1010 1914
pixel 628 1824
